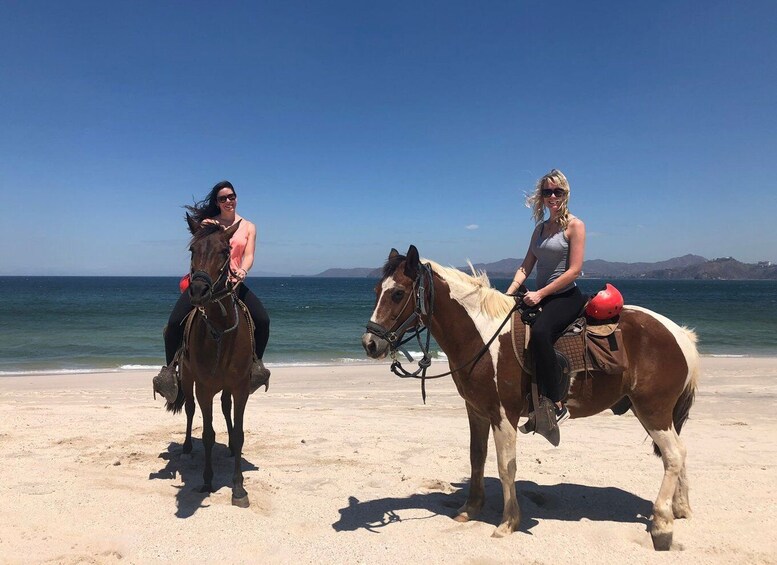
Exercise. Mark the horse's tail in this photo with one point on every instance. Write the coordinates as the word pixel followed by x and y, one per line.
pixel 176 406
pixel 683 405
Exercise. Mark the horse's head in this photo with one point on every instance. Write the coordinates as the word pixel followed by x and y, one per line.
pixel 210 259
pixel 395 302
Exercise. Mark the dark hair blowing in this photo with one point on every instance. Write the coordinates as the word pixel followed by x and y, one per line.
pixel 208 207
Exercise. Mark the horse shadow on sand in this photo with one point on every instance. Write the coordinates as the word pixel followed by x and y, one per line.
pixel 189 468
pixel 565 501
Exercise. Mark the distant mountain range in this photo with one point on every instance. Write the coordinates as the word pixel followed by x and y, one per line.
pixel 685 267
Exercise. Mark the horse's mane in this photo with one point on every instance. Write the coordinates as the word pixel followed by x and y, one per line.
pixel 203 232
pixel 492 302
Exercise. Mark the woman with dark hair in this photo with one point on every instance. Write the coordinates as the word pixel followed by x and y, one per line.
pixel 220 208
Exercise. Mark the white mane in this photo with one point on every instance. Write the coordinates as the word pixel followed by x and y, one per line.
pixel 492 302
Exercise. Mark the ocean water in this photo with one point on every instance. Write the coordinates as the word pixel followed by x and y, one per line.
pixel 61 324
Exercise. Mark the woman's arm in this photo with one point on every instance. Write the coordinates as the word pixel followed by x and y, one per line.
pixel 526 267
pixel 576 235
pixel 248 254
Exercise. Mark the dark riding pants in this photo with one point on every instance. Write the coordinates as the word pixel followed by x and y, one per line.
pixel 558 311
pixel 174 332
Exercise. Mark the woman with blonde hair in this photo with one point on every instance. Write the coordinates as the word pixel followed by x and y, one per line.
pixel 556 248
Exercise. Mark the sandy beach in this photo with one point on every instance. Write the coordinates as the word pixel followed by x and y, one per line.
pixel 344 464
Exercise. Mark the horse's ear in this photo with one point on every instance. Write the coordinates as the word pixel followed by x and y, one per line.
pixel 194 226
pixel 412 262
pixel 230 231
pixel 393 254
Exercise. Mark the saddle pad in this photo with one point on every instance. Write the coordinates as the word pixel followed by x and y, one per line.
pixel 571 345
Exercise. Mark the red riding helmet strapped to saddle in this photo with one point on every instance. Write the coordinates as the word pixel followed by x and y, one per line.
pixel 605 304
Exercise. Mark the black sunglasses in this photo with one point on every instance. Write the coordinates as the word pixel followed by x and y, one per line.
pixel 557 192
pixel 226 197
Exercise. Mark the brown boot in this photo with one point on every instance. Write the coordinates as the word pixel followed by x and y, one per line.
pixel 166 384
pixel 260 376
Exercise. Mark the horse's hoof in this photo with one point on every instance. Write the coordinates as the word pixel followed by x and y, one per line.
pixel 240 502
pixel 662 542
pixel 502 531
pixel 461 518
pixel 682 512
pixel 206 489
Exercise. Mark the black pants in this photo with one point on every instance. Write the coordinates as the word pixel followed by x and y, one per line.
pixel 558 311
pixel 174 332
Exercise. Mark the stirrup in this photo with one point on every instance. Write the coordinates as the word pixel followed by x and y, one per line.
pixel 260 376
pixel 543 421
pixel 166 384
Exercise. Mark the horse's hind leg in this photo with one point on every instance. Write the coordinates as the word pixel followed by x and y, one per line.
pixel 673 457
pixel 189 406
pixel 658 423
pixel 208 437
pixel 479 429
pixel 226 409
pixel 681 506
pixel 239 494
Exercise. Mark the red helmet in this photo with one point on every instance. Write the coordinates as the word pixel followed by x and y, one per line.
pixel 605 304
pixel 183 284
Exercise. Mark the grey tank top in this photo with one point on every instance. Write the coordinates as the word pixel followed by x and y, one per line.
pixel 552 255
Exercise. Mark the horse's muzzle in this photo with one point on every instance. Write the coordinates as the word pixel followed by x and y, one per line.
pixel 200 288
pixel 375 347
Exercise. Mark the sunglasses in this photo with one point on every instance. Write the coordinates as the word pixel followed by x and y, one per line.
pixel 230 197
pixel 557 192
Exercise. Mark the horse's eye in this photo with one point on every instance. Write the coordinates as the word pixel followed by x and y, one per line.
pixel 397 295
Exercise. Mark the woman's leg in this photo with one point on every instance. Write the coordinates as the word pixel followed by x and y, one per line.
pixel 558 311
pixel 260 318
pixel 166 383
pixel 174 330
pixel 260 375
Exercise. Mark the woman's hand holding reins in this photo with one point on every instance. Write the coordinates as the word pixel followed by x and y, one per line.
pixel 532 298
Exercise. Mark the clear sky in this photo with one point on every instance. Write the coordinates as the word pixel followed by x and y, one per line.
pixel 351 127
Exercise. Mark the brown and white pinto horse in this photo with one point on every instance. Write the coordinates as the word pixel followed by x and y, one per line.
pixel 465 312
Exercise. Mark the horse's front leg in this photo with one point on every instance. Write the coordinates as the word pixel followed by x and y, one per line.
pixel 479 428
pixel 239 494
pixel 226 409
pixel 208 436
pixel 504 438
pixel 189 406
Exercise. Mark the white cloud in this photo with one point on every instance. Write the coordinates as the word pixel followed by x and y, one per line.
pixel 471 227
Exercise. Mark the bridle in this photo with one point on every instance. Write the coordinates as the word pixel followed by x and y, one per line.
pixel 229 290
pixel 424 307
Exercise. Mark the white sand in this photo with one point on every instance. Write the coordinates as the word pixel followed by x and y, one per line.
pixel 346 465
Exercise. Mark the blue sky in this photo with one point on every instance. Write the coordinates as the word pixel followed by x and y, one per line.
pixel 351 127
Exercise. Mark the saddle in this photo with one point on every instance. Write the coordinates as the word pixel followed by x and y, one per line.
pixel 586 345
pixel 188 322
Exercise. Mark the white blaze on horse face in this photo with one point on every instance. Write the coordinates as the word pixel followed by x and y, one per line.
pixel 681 337
pixel 386 287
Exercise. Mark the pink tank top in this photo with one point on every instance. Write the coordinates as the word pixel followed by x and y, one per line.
pixel 238 245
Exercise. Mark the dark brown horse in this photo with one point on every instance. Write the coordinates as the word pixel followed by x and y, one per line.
pixel 463 313
pixel 218 350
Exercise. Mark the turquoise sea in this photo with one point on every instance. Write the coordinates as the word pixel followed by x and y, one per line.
pixel 62 324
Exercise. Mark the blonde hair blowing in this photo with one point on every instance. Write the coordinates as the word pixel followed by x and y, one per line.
pixel 537 205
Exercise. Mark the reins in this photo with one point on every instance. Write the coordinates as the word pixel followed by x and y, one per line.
pixel 229 290
pixel 415 320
